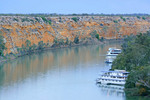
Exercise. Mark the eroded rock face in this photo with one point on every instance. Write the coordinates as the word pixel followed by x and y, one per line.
pixel 18 29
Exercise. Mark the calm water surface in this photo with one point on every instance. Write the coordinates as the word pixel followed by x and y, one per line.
pixel 61 74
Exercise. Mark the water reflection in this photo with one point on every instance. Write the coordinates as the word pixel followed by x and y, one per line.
pixel 57 72
pixel 112 90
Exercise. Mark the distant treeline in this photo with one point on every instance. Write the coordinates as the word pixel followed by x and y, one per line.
pixel 83 14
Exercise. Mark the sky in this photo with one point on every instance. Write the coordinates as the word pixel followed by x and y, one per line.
pixel 75 6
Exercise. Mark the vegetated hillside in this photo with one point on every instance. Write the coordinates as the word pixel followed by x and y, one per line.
pixel 22 31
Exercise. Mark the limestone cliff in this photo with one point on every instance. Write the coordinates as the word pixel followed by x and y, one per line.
pixel 17 29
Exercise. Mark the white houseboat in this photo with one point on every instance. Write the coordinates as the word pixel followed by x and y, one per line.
pixel 113 52
pixel 117 77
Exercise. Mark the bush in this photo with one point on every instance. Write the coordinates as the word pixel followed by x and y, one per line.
pixel 61 42
pixel 55 41
pixel 75 19
pixel 97 36
pixel 93 34
pixel 67 41
pixel 41 45
pixel 115 21
pixel 143 18
pixel 34 46
pixel 122 18
pixel 76 39
pixel 25 19
pixel 2 44
pixel 102 39
pixel 45 20
pixel 37 19
pixel 28 45
pixel 15 19
pixel 138 17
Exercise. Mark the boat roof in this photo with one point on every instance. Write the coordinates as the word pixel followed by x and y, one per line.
pixel 112 79
pixel 115 75
pixel 114 49
pixel 117 71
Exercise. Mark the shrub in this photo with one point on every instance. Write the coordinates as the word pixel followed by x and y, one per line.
pixel 23 48
pixel 41 45
pixel 49 22
pixel 138 17
pixel 15 19
pixel 61 42
pixel 2 44
pixel 143 18
pixel 45 20
pixel 37 19
pixel 34 46
pixel 55 41
pixel 67 41
pixel 102 39
pixel 76 39
pixel 25 19
pixel 28 45
pixel 93 34
pixel 75 19
pixel 122 18
pixel 97 36
pixel 115 21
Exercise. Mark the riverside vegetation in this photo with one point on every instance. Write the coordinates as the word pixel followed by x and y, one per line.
pixel 135 58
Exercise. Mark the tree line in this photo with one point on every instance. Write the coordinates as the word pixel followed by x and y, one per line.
pixel 135 58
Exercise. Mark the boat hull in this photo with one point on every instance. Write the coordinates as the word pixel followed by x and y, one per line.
pixel 110 82
pixel 112 55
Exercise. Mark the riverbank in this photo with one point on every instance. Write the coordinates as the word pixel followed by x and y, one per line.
pixel 12 56
pixel 83 43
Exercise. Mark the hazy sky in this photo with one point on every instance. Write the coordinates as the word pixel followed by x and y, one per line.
pixel 75 6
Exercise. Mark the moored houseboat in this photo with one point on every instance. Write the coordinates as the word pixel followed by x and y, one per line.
pixel 113 52
pixel 117 77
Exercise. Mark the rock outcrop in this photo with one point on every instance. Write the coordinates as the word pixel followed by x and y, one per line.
pixel 17 29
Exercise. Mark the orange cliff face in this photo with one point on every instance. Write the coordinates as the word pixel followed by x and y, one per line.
pixel 18 29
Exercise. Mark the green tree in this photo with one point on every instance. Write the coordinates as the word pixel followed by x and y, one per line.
pixel 2 44
pixel 67 41
pixel 41 45
pixel 97 36
pixel 61 42
pixel 76 39
pixel 135 58
pixel 34 46
pixel 55 40
pixel 28 45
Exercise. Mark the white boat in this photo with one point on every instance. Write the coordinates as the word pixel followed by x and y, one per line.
pixel 117 77
pixel 113 52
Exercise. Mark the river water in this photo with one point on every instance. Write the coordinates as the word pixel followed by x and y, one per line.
pixel 60 74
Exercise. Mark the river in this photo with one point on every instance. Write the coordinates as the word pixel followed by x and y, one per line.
pixel 59 74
